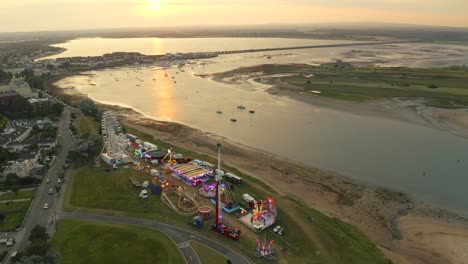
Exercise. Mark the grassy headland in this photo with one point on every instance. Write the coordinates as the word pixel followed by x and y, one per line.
pixel 321 240
pixel 440 87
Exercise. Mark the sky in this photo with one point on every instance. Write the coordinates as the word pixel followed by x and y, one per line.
pixel 39 15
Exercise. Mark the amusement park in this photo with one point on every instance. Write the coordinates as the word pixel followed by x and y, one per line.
pixel 205 194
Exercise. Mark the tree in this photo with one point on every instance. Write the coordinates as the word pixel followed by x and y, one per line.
pixel 6 156
pixel 50 67
pixel 38 233
pixel 15 189
pixel 5 77
pixel 11 178
pixel 37 247
pixel 89 108
pixel 57 108
pixel 49 258
pixel 33 147
pixel 85 149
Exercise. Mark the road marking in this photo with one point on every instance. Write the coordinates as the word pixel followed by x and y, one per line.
pixel 183 245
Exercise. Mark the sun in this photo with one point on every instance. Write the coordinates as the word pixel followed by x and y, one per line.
pixel 154 6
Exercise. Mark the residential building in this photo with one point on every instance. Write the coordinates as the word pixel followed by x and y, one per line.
pixel 22 167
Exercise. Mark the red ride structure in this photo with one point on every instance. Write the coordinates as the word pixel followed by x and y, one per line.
pixel 218 226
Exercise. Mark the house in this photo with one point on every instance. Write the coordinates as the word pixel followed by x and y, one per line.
pixel 8 96
pixel 26 162
pixel 20 145
pixel 20 87
pixel 39 103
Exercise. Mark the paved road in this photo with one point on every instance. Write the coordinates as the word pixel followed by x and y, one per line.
pixel 37 214
pixel 179 235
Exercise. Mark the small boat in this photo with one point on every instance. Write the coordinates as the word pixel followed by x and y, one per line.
pixel 173 77
pixel 252 111
pixel 269 57
pixel 233 120
pixel 219 112
pixel 241 107
pixel 182 70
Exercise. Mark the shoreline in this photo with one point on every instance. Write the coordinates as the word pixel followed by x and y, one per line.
pixel 411 111
pixel 377 212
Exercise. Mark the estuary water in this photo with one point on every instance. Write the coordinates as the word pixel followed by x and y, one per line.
pixel 429 164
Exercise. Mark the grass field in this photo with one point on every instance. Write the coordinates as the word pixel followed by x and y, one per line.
pixel 94 190
pixel 86 125
pixel 92 242
pixel 21 194
pixel 207 255
pixel 444 87
pixel 14 214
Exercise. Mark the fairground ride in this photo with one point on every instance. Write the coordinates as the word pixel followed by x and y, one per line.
pixel 218 226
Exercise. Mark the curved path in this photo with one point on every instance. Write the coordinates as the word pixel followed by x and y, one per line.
pixel 180 236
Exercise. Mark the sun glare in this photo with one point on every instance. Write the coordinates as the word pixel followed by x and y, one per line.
pixel 154 6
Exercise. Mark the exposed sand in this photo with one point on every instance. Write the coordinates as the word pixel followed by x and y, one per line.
pixel 406 232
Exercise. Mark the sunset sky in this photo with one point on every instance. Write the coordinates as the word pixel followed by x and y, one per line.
pixel 34 15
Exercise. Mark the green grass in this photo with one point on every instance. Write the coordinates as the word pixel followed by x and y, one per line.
pixel 21 194
pixel 14 214
pixel 86 125
pixel 113 191
pixel 88 242
pixel 207 255
pixel 94 190
pixel 345 82
pixel 3 122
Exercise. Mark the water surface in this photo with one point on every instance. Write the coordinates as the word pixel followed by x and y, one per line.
pixel 427 163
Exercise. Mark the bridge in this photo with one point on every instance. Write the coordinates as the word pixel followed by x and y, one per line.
pixel 310 47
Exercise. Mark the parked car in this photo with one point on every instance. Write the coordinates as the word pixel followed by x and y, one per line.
pixel 51 191
pixel 46 206
pixel 10 241
pixel 281 231
pixel 276 229
pixel 143 194
pixel 48 180
pixel 59 180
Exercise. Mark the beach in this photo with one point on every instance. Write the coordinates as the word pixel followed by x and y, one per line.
pixel 406 231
